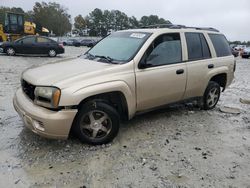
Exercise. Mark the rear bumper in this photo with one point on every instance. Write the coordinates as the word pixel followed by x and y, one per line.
pixel 44 122
pixel 60 51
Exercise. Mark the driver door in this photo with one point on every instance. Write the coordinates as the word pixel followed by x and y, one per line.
pixel 27 45
pixel 161 74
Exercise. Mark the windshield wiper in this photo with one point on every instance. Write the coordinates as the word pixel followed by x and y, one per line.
pixel 89 55
pixel 109 59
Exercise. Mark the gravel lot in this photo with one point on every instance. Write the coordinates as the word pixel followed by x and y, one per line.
pixel 179 146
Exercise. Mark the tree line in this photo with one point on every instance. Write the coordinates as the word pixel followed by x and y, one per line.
pixel 99 22
pixel 240 43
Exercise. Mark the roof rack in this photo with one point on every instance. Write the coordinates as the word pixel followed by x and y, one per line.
pixel 173 26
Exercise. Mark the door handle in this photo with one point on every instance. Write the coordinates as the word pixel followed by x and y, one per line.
pixel 210 66
pixel 180 71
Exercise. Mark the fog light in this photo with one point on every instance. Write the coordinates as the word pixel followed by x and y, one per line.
pixel 38 125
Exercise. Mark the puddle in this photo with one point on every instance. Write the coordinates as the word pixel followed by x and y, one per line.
pixel 230 110
pixel 244 101
pixel 178 178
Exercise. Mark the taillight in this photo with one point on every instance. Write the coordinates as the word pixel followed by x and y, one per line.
pixel 61 45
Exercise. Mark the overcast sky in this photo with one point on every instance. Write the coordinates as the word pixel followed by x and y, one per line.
pixel 231 17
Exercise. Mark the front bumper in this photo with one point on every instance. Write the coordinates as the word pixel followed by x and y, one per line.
pixel 44 122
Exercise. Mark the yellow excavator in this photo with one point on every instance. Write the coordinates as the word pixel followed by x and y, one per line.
pixel 15 27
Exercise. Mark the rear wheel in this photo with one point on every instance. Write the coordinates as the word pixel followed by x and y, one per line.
pixel 96 123
pixel 52 53
pixel 10 51
pixel 211 95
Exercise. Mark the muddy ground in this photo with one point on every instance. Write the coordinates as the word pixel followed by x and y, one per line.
pixel 179 146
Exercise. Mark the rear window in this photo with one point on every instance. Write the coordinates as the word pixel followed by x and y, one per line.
pixel 221 45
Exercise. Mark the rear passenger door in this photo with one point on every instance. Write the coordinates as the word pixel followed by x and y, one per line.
pixel 199 62
pixel 161 73
pixel 44 45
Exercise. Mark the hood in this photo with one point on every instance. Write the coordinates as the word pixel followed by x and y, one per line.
pixel 6 43
pixel 60 72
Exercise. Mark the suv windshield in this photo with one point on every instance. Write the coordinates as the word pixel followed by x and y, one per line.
pixel 119 46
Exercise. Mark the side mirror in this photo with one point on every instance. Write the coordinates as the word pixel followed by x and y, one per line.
pixel 143 64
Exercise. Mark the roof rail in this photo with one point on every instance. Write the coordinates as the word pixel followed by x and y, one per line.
pixel 163 26
pixel 204 28
pixel 173 26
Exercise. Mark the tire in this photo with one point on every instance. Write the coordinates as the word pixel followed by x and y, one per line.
pixel 77 44
pixel 52 53
pixel 10 51
pixel 211 95
pixel 96 123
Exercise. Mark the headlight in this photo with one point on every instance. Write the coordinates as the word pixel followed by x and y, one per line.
pixel 47 96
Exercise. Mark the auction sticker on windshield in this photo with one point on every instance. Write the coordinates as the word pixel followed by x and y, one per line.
pixel 138 35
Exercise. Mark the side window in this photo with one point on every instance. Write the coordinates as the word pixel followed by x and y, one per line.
pixel 205 49
pixel 28 40
pixel 43 40
pixel 166 49
pixel 221 45
pixel 197 46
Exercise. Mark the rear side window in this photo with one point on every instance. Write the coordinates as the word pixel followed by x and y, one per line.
pixel 197 46
pixel 43 40
pixel 221 45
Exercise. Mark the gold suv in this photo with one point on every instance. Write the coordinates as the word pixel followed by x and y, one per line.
pixel 125 73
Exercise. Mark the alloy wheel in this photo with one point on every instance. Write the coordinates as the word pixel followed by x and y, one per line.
pixel 213 97
pixel 96 124
pixel 52 53
pixel 10 51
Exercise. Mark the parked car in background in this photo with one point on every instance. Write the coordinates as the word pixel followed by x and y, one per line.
pixel 33 45
pixel 1 49
pixel 240 47
pixel 88 42
pixel 77 43
pixel 69 42
pixel 246 53
pixel 235 52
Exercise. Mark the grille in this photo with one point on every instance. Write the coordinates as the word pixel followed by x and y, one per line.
pixel 28 89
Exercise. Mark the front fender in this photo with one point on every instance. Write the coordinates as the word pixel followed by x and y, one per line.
pixel 75 98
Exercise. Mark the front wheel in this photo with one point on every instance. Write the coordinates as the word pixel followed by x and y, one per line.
pixel 52 53
pixel 96 123
pixel 10 51
pixel 211 95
